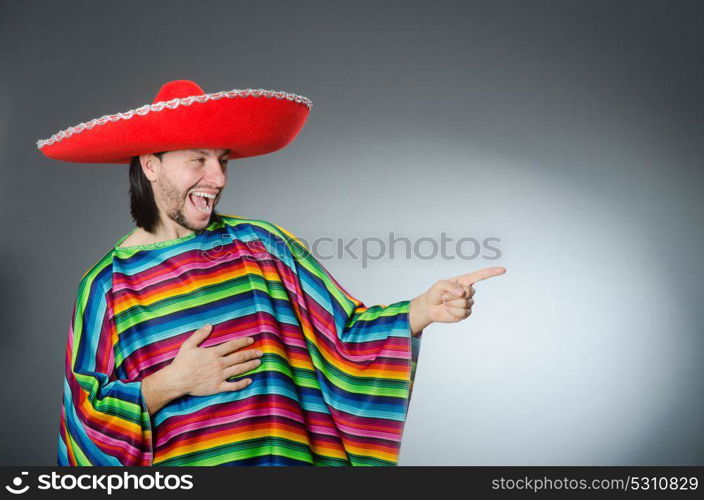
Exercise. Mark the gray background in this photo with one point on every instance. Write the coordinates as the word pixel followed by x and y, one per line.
pixel 571 131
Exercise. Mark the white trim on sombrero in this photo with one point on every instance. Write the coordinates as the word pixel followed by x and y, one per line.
pixel 172 104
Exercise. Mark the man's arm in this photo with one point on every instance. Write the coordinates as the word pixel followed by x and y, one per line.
pixel 416 316
pixel 158 390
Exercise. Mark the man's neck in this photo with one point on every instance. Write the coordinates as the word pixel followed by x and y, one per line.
pixel 168 230
pixel 143 237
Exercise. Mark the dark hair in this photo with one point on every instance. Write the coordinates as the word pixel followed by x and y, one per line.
pixel 143 208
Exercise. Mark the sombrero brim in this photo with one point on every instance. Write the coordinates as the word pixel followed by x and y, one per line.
pixel 248 122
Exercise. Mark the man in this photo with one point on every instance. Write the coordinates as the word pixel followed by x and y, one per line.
pixel 209 339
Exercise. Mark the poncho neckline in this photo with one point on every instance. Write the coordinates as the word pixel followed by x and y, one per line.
pixel 162 244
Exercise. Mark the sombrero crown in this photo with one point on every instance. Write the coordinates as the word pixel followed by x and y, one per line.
pixel 248 122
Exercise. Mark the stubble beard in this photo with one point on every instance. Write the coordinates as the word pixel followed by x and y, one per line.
pixel 175 202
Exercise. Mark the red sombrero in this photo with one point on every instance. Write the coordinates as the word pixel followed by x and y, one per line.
pixel 249 122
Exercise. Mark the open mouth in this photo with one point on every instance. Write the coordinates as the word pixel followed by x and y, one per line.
pixel 202 201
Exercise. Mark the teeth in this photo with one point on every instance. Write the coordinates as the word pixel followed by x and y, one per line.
pixel 205 195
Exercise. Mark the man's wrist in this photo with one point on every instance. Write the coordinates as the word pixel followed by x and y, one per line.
pixel 416 316
pixel 158 389
pixel 168 383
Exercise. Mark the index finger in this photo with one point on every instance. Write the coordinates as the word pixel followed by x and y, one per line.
pixel 471 278
pixel 232 345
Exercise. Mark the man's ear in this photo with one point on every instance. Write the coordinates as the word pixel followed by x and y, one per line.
pixel 150 163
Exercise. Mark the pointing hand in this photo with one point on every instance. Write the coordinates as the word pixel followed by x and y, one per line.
pixel 449 300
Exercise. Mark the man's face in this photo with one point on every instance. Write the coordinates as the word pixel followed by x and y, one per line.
pixel 188 184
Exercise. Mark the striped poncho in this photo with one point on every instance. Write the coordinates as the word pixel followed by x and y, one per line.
pixel 335 380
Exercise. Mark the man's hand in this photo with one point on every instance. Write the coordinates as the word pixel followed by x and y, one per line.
pixel 200 371
pixel 448 301
pixel 203 371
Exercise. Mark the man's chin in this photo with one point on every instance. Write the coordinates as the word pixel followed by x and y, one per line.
pixel 193 221
pixel 199 224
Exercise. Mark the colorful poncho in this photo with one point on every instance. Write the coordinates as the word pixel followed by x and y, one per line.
pixel 335 380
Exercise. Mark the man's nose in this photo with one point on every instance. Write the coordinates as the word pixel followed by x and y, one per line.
pixel 216 173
